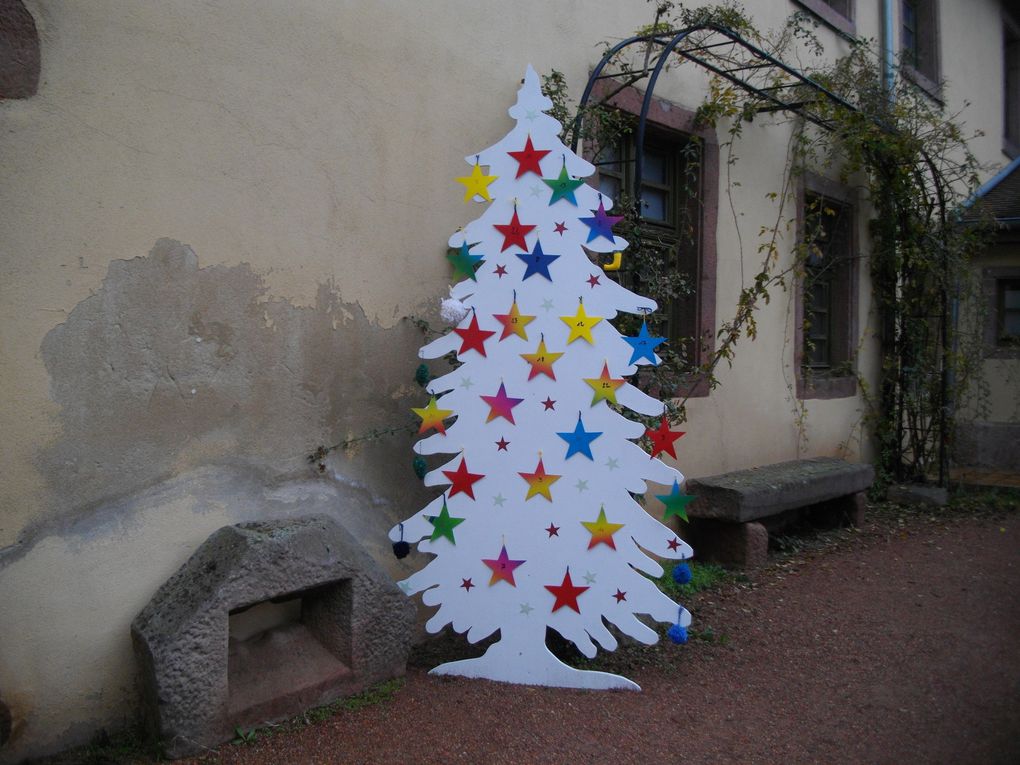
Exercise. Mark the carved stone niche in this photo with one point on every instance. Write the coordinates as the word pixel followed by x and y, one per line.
pixel 265 620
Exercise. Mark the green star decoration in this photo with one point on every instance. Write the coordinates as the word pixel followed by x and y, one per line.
pixel 563 187
pixel 464 262
pixel 676 502
pixel 443 525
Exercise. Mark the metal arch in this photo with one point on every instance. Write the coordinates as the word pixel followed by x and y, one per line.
pixel 668 44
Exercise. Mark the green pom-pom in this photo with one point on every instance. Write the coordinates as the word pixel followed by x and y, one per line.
pixel 421 375
pixel 420 467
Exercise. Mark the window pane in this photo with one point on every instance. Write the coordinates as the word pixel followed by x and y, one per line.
pixel 656 167
pixel 653 204
pixel 1011 298
pixel 609 159
pixel 610 187
pixel 1011 324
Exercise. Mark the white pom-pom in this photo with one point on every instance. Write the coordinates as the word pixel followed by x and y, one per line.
pixel 452 310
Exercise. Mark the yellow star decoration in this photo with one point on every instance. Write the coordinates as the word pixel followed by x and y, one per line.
pixel 580 325
pixel 604 386
pixel 602 530
pixel 432 417
pixel 541 361
pixel 477 184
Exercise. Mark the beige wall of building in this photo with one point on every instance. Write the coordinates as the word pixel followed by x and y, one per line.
pixel 217 217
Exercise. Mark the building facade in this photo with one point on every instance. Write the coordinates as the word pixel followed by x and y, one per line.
pixel 222 219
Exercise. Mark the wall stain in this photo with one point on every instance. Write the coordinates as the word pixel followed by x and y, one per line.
pixel 170 366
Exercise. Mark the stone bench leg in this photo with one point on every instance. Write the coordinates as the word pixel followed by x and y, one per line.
pixel 740 545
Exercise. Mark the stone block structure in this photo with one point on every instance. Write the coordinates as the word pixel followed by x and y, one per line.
pixel 337 623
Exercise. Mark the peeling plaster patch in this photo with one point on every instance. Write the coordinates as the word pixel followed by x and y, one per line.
pixel 170 366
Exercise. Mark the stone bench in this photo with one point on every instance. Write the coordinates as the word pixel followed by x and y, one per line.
pixel 734 512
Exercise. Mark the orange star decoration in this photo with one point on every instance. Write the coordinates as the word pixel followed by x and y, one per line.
pixel 539 481
pixel 432 417
pixel 541 361
pixel 604 386
pixel 580 325
pixel 663 438
pixel 602 530
pixel 513 322
pixel 477 184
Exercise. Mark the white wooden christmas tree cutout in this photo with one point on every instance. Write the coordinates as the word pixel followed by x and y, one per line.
pixel 537 527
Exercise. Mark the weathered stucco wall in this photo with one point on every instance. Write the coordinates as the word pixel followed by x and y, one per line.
pixel 216 217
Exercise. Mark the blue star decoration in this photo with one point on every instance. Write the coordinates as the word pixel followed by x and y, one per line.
pixel 601 224
pixel 579 441
pixel 537 262
pixel 644 345
pixel 676 502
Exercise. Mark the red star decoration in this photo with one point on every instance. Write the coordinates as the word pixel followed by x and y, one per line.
pixel 674 544
pixel 663 438
pixel 514 233
pixel 500 271
pixel 462 480
pixel 473 337
pixel 620 595
pixel 528 159
pixel 548 404
pixel 502 444
pixel 554 531
pixel 561 227
pixel 593 280
pixel 466 584
pixel 566 593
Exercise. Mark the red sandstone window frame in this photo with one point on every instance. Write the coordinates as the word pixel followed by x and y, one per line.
pixel 844 332
pixel 666 119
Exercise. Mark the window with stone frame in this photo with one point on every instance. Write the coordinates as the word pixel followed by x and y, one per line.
pixel 1011 85
pixel 680 202
pixel 1007 313
pixel 670 223
pixel 838 14
pixel 827 297
pixel 919 43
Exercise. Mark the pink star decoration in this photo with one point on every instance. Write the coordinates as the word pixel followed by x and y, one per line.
pixel 502 568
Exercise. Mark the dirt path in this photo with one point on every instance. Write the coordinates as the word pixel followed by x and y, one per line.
pixel 899 645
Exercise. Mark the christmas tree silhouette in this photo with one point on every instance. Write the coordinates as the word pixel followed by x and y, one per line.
pixel 538 526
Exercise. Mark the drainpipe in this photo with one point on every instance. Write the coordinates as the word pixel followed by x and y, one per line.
pixel 888 48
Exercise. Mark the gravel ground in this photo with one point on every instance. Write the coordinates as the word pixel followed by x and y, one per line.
pixel 895 643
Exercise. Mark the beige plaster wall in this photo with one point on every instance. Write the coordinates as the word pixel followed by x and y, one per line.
pixel 216 217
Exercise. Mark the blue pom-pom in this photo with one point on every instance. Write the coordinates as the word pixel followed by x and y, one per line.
pixel 681 573
pixel 677 634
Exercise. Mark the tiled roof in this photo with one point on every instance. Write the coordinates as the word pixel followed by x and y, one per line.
pixel 1000 196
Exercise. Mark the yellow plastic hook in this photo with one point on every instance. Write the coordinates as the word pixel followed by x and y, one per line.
pixel 615 263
